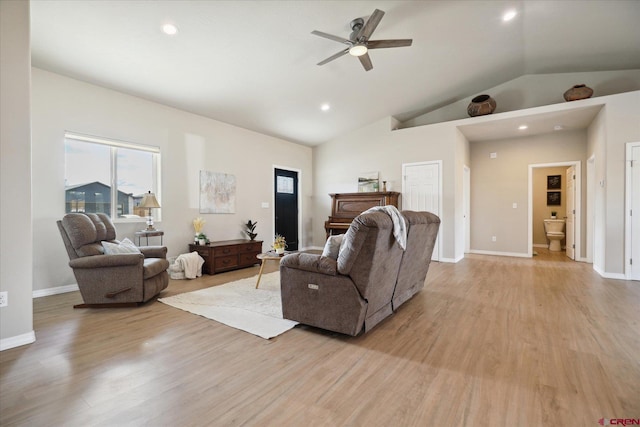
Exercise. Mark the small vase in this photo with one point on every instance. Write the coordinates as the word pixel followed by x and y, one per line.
pixel 481 105
pixel 202 241
pixel 578 92
pixel 279 251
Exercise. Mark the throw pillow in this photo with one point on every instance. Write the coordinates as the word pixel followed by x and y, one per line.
pixel 124 247
pixel 332 247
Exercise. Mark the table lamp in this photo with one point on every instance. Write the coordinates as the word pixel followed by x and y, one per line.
pixel 149 201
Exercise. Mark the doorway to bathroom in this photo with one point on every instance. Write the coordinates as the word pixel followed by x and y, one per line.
pixel 555 188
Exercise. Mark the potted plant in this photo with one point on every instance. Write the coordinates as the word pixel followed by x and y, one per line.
pixel 553 214
pixel 250 229
pixel 198 224
pixel 279 244
pixel 202 239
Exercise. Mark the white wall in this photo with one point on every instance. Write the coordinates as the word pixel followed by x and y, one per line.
pixel 16 320
pixel 499 182
pixel 622 124
pixel 188 142
pixel 535 90
pixel 378 148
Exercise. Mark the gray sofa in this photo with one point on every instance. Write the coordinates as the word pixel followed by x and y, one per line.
pixel 110 280
pixel 371 277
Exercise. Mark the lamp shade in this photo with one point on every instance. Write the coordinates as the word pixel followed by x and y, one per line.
pixel 149 201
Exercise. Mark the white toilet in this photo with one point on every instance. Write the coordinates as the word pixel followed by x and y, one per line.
pixel 555 233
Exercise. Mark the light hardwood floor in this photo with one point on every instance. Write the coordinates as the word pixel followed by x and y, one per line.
pixel 490 341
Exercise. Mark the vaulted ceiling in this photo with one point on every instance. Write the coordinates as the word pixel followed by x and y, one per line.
pixel 253 63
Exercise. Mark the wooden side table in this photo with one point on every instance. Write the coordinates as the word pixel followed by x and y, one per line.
pixel 227 255
pixel 264 257
pixel 149 233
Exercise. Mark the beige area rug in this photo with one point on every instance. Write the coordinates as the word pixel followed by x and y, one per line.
pixel 239 305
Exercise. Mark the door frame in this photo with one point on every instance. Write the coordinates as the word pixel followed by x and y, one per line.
pixel 273 202
pixel 628 199
pixel 591 190
pixel 577 204
pixel 440 237
pixel 466 203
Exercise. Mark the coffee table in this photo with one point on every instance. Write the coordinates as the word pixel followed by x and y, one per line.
pixel 264 257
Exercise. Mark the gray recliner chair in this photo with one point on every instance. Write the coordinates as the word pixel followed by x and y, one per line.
pixel 110 280
pixel 351 294
pixel 371 277
pixel 422 231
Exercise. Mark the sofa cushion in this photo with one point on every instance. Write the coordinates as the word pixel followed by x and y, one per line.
pixel 124 247
pixel 101 229
pixel 80 229
pixel 154 266
pixel 109 227
pixel 90 250
pixel 332 246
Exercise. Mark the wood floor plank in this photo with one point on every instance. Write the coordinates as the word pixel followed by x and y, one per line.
pixel 490 341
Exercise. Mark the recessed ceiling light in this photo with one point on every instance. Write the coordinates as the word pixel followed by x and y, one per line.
pixel 169 29
pixel 558 127
pixel 509 15
pixel 325 107
pixel 523 127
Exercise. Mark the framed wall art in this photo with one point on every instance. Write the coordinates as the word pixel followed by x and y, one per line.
pixel 368 182
pixel 217 192
pixel 554 182
pixel 554 198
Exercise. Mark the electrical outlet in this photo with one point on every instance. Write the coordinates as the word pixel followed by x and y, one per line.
pixel 4 299
pixel 494 238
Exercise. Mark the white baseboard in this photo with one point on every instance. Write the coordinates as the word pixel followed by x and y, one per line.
pixel 539 245
pixel 617 276
pixel 54 291
pixel 17 341
pixel 512 254
pixel 450 260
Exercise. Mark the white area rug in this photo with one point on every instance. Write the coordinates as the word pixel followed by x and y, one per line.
pixel 239 305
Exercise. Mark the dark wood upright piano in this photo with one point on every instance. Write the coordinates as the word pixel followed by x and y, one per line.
pixel 346 206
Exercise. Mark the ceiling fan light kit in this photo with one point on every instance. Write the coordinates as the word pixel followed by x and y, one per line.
pixel 358 50
pixel 358 43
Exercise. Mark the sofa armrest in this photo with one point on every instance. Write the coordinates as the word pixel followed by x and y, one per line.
pixel 310 262
pixel 105 261
pixel 154 251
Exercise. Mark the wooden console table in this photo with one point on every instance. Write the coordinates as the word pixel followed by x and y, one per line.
pixel 228 254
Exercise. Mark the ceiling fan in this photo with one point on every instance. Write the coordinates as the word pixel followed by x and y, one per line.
pixel 358 43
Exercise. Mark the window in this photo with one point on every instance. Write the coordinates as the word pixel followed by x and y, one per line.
pixel 94 166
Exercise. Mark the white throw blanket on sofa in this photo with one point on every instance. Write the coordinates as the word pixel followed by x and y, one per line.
pixel 191 264
pixel 399 226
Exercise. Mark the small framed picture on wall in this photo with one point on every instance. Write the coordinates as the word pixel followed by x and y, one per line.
pixel 554 182
pixel 554 198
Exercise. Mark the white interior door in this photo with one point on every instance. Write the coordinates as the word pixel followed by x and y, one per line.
pixel 571 212
pixel 421 191
pixel 634 232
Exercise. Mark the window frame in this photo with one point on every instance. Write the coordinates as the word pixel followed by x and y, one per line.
pixel 114 145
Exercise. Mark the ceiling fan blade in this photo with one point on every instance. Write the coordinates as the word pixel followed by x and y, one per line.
pixel 371 25
pixel 336 56
pixel 380 44
pixel 332 37
pixel 366 61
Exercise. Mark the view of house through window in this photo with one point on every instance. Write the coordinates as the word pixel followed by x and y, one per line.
pixel 95 166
